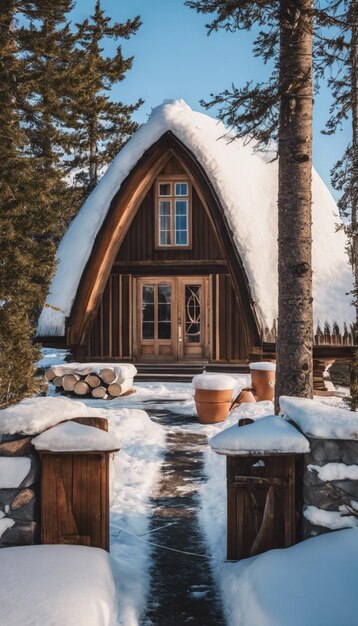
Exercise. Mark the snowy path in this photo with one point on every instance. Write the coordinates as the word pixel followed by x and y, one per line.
pixel 182 590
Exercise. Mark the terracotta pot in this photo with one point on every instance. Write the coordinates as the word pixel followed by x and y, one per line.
pixel 263 382
pixel 213 395
pixel 212 405
pixel 245 395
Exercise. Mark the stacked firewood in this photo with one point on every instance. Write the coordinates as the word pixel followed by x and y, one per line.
pixel 94 379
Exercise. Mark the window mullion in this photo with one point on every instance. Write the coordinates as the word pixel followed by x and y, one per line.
pixel 172 218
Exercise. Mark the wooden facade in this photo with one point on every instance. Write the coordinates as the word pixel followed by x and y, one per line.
pixel 141 301
pixel 201 272
pixel 105 321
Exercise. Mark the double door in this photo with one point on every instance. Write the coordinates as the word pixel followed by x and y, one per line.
pixel 172 318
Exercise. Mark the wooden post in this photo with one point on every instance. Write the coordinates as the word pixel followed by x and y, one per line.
pixel 75 494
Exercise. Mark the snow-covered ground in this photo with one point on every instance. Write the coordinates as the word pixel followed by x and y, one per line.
pixel 135 470
pixel 313 583
pixel 56 586
pixel 309 584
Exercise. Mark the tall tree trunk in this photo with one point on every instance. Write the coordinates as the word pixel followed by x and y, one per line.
pixel 295 324
pixel 354 194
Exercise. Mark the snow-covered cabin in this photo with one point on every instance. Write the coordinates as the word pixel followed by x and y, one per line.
pixel 174 254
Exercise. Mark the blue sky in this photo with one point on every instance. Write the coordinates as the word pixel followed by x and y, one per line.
pixel 174 58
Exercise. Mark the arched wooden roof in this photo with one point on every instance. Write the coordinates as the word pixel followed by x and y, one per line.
pixel 122 209
pixel 240 189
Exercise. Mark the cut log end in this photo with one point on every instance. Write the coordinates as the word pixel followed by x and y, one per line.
pixel 117 389
pixel 69 381
pixel 49 374
pixel 57 381
pixel 99 392
pixel 81 388
pixel 93 381
pixel 108 375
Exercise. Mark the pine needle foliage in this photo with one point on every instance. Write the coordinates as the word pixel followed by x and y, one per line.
pixel 22 275
pixel 101 126
pixel 54 94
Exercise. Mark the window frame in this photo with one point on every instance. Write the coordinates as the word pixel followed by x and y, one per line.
pixel 172 180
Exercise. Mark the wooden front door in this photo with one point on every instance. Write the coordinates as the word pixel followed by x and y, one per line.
pixel 172 318
pixel 193 321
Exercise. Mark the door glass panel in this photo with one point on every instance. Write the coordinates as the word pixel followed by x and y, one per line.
pixel 192 313
pixel 148 311
pixel 148 330
pixel 164 311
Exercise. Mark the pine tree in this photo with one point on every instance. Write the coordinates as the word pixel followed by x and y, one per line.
pixel 17 300
pixel 49 87
pixel 32 189
pixel 102 126
pixel 42 95
pixel 281 109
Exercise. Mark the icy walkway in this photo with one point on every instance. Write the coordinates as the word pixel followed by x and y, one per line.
pixel 182 590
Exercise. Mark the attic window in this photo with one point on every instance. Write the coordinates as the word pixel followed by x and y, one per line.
pixel 173 214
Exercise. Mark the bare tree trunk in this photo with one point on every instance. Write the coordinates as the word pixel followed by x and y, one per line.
pixel 354 194
pixel 295 324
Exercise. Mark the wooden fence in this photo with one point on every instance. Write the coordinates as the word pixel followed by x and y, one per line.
pixel 331 335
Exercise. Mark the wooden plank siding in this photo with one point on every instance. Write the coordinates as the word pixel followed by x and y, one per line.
pixel 112 331
pixel 139 242
pixel 121 216
pixel 111 334
pixel 111 328
pixel 232 340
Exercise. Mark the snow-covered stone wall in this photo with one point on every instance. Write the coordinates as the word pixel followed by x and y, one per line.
pixel 330 477
pixel 330 486
pixel 19 492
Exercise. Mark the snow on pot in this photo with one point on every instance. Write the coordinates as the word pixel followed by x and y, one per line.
pixel 213 396
pixel 263 376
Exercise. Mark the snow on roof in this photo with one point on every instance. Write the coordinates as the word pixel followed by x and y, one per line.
pixel 33 415
pixel 73 437
pixel 269 435
pixel 320 420
pixel 247 189
pixel 57 585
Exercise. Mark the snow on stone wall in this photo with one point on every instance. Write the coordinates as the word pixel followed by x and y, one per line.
pixel 330 479
pixel 247 189
pixel 330 485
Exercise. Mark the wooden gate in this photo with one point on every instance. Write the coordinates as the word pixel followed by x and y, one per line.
pixel 75 495
pixel 260 504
